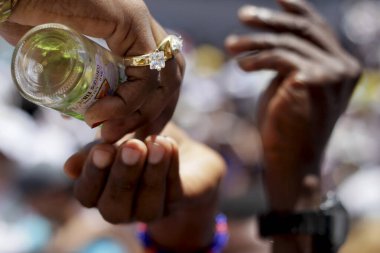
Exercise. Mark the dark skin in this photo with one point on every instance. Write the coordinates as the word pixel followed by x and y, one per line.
pixel 315 80
pixel 298 111
pixel 164 187
pixel 129 30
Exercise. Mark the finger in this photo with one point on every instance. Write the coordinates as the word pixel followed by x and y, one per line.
pixel 131 95
pixel 156 126
pixel 74 164
pixel 153 115
pixel 159 33
pixel 69 13
pixel 118 198
pixel 240 44
pixel 141 81
pixel 123 31
pixel 112 130
pixel 277 59
pixel 303 8
pixel 160 106
pixel 131 37
pixel 174 187
pixel 90 185
pixel 287 23
pixel 12 33
pixel 126 100
pixel 151 196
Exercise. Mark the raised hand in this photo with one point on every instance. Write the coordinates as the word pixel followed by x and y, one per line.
pixel 298 111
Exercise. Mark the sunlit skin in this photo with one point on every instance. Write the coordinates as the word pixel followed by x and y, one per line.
pixel 298 111
pixel 156 181
pixel 297 114
pixel 129 30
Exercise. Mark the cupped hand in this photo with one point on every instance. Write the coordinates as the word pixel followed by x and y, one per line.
pixel 169 182
pixel 298 111
pixel 129 30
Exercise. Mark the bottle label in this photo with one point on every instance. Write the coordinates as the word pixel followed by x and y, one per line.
pixel 107 77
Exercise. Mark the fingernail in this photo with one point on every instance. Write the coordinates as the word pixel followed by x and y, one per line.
pixel 156 152
pixel 101 158
pixel 232 39
pixel 252 11
pixel 248 11
pixel 130 156
pixel 291 1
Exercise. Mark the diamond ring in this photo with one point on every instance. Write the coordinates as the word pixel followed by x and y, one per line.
pixel 166 50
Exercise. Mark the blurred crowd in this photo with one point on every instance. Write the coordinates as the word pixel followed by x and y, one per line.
pixel 38 214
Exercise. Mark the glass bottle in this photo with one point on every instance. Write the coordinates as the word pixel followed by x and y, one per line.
pixel 56 67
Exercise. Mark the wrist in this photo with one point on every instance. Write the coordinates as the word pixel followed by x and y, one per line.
pixel 187 218
pixel 214 245
pixel 288 185
pixel 174 231
pixel 321 230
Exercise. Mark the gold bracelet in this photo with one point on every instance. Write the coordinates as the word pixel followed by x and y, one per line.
pixel 166 50
pixel 6 9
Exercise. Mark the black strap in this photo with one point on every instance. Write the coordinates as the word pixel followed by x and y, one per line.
pixel 309 223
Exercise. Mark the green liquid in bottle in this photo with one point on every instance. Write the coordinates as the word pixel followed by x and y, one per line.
pixel 55 67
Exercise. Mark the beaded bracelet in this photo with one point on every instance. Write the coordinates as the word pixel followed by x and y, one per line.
pixel 220 238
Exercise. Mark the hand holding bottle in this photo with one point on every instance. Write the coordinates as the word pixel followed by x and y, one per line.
pixel 129 30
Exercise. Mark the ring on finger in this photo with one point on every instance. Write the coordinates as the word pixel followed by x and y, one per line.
pixel 166 50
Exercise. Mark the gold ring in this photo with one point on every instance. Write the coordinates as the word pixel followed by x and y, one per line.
pixel 166 50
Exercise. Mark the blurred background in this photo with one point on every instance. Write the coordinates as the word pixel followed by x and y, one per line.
pixel 217 107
